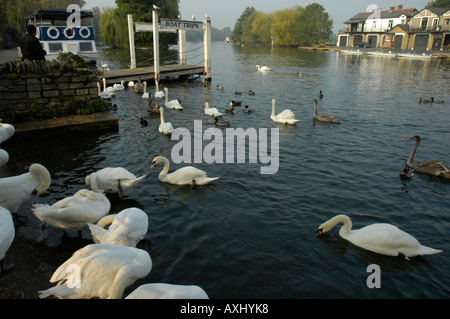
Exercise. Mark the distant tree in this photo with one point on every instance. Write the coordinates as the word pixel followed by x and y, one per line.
pixel 238 27
pixel 440 3
pixel 312 26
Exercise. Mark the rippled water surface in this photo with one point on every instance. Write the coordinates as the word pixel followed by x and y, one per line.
pixel 250 235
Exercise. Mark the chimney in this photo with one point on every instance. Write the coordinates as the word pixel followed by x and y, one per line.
pixel 400 6
pixel 391 8
pixel 428 4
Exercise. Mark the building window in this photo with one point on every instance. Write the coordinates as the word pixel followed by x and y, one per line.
pixel 374 24
pixel 391 24
pixel 424 24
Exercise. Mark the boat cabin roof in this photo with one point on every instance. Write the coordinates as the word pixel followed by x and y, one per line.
pixel 56 14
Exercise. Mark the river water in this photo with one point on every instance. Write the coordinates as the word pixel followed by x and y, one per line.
pixel 252 235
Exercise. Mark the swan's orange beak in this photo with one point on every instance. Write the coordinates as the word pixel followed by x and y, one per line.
pixel 153 165
pixel 319 232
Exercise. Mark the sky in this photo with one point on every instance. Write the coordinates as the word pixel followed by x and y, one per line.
pixel 225 13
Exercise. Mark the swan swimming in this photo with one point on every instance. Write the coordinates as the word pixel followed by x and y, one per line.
pixel 6 131
pixel 285 117
pixel 187 175
pixel 325 117
pixel 431 167
pixel 7 233
pixel 146 95
pixel 262 68
pixel 113 180
pixel 74 212
pixel 385 239
pixel 167 291
pixel 18 189
pixel 109 89
pixel 4 157
pixel 119 86
pixel 158 94
pixel 173 104
pixel 165 127
pixel 212 111
pixel 105 270
pixel 127 228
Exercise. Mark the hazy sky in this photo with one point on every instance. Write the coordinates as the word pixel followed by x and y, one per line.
pixel 225 13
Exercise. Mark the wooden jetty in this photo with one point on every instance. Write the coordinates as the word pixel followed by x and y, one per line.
pixel 148 73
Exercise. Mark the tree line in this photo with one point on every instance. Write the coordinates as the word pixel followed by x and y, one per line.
pixel 297 26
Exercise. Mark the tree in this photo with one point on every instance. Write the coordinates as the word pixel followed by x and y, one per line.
pixel 238 27
pixel 440 3
pixel 312 26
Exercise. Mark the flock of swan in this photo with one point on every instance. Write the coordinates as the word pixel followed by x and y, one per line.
pixel 112 262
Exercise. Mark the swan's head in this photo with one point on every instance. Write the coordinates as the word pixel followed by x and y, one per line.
pixel 415 138
pixel 157 160
pixel 166 90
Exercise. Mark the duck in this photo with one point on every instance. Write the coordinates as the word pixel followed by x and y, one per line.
pixel 173 104
pixel 237 93
pixel 381 238
pixel 299 74
pixel 105 270
pixel 187 175
pixel 119 86
pixel 4 157
pixel 16 190
pixel 285 117
pixel 421 100
pixel 116 180
pixel 250 92
pixel 229 111
pixel 146 95
pixel 432 167
pixel 165 127
pixel 246 109
pixel 143 121
pixel 407 173
pixel 262 68
pixel 235 103
pixel 6 131
pixel 167 291
pixel 74 212
pixel 325 117
pixel 127 228
pixel 158 94
pixel 219 87
pixel 154 107
pixel 320 95
pixel 221 122
pixel 139 86
pixel 212 111
pixel 436 101
pixel 7 234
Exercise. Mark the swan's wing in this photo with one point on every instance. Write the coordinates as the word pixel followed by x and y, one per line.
pixel 185 175
pixel 286 114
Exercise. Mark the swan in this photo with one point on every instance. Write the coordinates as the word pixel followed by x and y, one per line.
pixel 165 127
pixel 4 157
pixel 187 175
pixel 109 89
pixel 74 212
pixel 385 239
pixel 7 233
pixel 127 228
pixel 262 68
pixel 432 167
pixel 173 104
pixel 99 271
pixel 130 84
pixel 154 107
pixel 167 291
pixel 119 86
pixel 6 131
pixel 285 117
pixel 113 180
pixel 212 111
pixel 16 190
pixel 103 94
pixel 158 94
pixel 325 117
pixel 146 95
pixel 138 86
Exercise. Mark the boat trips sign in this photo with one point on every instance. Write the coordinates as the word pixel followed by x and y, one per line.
pixel 181 25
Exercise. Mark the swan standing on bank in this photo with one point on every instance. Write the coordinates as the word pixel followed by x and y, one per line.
pixel 113 180
pixel 165 127
pixel 74 212
pixel 262 68
pixel 158 94
pixel 167 291
pixel 173 104
pixel 212 111
pixel 432 167
pixel 16 190
pixel 99 271
pixel 285 117
pixel 126 228
pixel 385 239
pixel 187 175
pixel 7 233
pixel 325 117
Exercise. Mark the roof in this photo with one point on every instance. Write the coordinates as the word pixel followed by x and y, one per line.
pixel 385 14
pixel 57 14
pixel 437 10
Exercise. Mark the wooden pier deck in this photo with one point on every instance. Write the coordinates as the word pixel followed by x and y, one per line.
pixel 147 73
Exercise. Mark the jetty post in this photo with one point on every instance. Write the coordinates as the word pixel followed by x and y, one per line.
pixel 155 44
pixel 131 39
pixel 207 47
pixel 182 46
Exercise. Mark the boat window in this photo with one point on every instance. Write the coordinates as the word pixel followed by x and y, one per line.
pixel 55 46
pixel 86 46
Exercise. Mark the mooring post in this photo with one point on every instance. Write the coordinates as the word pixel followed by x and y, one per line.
pixel 182 45
pixel 207 47
pixel 131 39
pixel 155 44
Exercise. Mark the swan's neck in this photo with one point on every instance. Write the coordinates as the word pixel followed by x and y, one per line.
pixel 99 88
pixel 161 114
pixel 315 108
pixel 165 169
pixel 107 220
pixel 273 107
pixel 206 105
pixel 104 84
pixel 167 96
pixel 345 229
pixel 39 172
pixel 157 86
pixel 410 161
pixel 145 87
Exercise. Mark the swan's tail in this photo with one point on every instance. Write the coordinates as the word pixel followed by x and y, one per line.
pixel 42 210
pixel 99 234
pixel 205 180
pixel 131 183
pixel 424 250
pixel 61 291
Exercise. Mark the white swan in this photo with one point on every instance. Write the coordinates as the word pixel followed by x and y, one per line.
pixel 165 127
pixel 262 68
pixel 431 167
pixel 119 86
pixel 127 228
pixel 167 291
pixel 285 117
pixel 74 212
pixel 6 131
pixel 16 190
pixel 212 111
pixel 130 84
pixel 113 180
pixel 102 94
pixel 187 175
pixel 325 117
pixel 173 104
pixel 158 94
pixel 109 89
pixel 4 157
pixel 146 95
pixel 7 233
pixel 99 271
pixel 385 239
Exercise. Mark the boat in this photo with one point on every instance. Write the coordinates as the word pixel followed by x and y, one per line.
pixel 57 36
